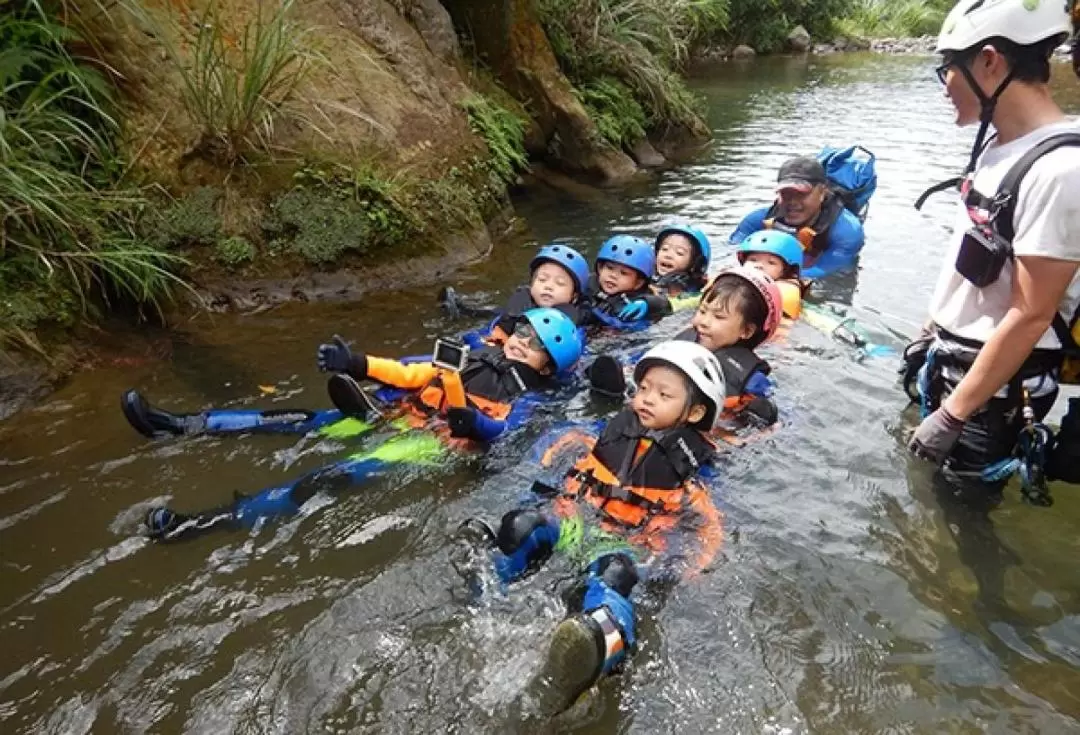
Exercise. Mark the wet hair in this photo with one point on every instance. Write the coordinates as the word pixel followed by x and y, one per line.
pixel 1029 63
pixel 735 294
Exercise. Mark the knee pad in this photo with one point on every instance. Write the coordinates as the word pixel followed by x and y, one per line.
pixel 618 572
pixel 517 527
pixel 526 538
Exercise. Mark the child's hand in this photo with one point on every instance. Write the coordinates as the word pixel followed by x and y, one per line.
pixel 636 309
pixel 462 422
pixel 336 357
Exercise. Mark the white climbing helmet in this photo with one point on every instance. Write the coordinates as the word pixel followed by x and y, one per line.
pixel 1023 22
pixel 699 365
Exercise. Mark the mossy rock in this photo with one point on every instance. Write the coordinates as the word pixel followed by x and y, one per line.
pixel 234 251
pixel 193 219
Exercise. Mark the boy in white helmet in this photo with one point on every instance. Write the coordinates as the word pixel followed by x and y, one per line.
pixel 1007 296
pixel 631 505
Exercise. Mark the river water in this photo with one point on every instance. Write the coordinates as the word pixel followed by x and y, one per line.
pixel 849 596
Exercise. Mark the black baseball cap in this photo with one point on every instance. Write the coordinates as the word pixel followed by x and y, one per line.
pixel 802 173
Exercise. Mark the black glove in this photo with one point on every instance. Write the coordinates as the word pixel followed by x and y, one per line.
pixel 936 436
pixel 462 422
pixel 336 357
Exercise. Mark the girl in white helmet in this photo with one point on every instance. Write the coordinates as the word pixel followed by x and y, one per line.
pixel 1009 288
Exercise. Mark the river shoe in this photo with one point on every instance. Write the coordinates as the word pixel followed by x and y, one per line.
pixel 149 421
pixel 573 665
pixel 349 398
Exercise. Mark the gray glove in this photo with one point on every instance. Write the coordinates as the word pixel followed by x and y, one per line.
pixel 936 436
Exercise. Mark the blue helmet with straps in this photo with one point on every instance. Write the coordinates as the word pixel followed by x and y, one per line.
pixel 633 252
pixel 559 335
pixel 699 264
pixel 565 256
pixel 774 242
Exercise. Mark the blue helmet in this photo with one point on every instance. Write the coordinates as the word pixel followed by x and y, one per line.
pixel 700 264
pixel 565 256
pixel 633 252
pixel 559 335
pixel 780 244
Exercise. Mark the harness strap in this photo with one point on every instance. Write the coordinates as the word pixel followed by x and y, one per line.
pixel 937 188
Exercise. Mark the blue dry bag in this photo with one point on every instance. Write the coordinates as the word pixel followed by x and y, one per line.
pixel 851 175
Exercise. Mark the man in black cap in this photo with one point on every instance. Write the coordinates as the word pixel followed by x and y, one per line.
pixel 831 235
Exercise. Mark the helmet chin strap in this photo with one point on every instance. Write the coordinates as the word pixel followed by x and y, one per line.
pixel 986 116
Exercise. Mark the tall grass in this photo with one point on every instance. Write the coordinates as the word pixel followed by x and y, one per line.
pixel 64 225
pixel 881 18
pixel 640 43
pixel 235 87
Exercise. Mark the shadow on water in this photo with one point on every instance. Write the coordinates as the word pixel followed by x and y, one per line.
pixel 850 596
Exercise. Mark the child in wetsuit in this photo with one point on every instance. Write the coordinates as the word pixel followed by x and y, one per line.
pixel 495 391
pixel 739 310
pixel 631 506
pixel 619 293
pixel 780 256
pixel 558 278
pixel 683 253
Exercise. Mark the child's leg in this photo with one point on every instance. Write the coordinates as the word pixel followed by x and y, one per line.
pixel 286 500
pixel 155 422
pixel 524 541
pixel 593 643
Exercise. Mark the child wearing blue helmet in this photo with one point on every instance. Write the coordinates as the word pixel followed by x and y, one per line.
pixel 780 256
pixel 558 278
pixel 619 292
pixel 683 253
pixel 428 409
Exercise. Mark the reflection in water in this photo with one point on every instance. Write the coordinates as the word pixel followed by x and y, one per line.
pixel 850 597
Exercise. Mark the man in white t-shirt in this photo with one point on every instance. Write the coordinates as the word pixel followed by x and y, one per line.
pixel 991 343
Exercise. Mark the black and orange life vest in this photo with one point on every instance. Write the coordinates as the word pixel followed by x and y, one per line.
pixel 813 237
pixel 633 474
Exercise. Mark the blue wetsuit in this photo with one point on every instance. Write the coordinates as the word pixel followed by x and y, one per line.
pixel 510 383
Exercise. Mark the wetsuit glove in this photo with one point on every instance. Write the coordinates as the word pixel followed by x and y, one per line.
pixel 462 421
pixel 936 436
pixel 636 309
pixel 469 423
pixel 336 357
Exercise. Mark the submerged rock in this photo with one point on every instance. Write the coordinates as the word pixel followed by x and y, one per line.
pixel 743 51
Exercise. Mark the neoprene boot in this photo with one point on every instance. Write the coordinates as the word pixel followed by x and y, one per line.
pixel 448 300
pixel 587 646
pixel 524 541
pixel 164 524
pixel 606 377
pixel 349 398
pixel 153 422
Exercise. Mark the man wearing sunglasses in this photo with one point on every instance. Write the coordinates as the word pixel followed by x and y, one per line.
pixel 1010 276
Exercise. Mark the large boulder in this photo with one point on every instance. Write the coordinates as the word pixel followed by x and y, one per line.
pixel 799 40
pixel 433 23
pixel 742 51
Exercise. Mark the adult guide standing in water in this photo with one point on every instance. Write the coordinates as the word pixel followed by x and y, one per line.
pixel 990 361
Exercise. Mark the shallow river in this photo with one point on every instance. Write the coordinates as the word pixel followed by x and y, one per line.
pixel 849 596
